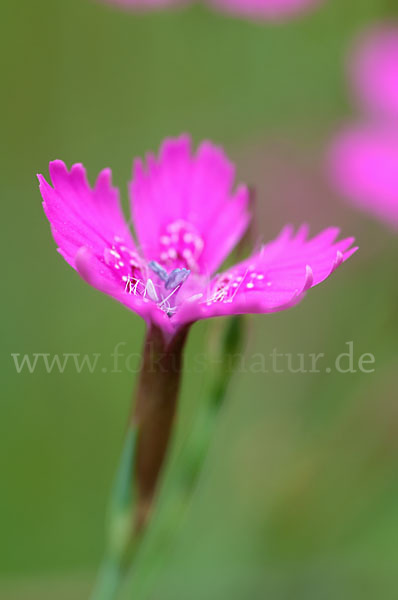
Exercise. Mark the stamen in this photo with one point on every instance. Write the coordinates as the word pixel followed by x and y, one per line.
pixel 156 290
pixel 158 269
pixel 176 278
pixel 241 280
pixel 132 284
pixel 150 288
pixel 169 296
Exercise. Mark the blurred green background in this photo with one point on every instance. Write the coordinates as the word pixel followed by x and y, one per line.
pixel 300 495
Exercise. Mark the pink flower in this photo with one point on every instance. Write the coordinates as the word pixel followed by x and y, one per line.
pixel 374 71
pixel 187 220
pixel 255 9
pixel 364 167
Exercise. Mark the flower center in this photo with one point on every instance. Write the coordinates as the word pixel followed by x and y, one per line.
pixel 161 287
pixel 165 291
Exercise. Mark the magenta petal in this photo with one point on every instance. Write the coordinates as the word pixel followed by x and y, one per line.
pixel 274 279
pixel 363 166
pixel 184 210
pixel 79 215
pixel 91 233
pixel 95 272
pixel 374 71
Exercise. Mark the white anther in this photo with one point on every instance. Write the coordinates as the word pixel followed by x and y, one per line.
pixel 150 289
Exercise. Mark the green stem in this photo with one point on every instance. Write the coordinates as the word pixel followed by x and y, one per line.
pixel 142 457
pixel 169 517
pixel 155 407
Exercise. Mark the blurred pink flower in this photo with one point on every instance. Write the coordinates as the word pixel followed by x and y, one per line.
pixel 364 167
pixel 363 159
pixel 374 71
pixel 264 9
pixel 255 9
pixel 187 219
pixel 142 5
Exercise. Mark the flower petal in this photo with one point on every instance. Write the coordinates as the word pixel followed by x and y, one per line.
pixel 82 216
pixel 184 211
pixel 274 279
pixel 92 235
